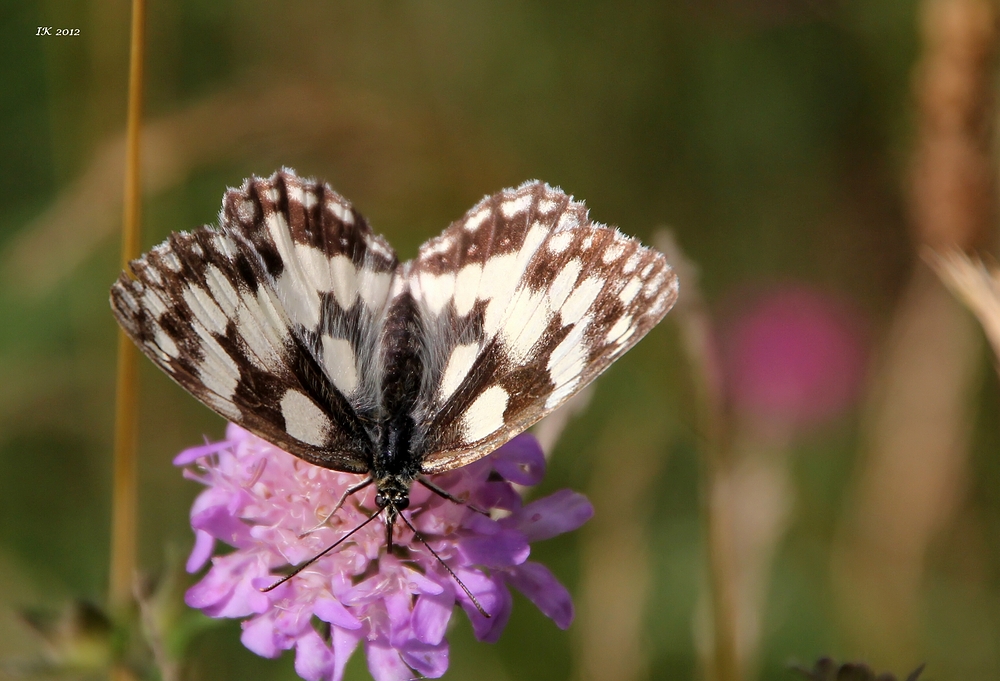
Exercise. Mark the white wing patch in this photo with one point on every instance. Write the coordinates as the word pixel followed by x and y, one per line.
pixel 618 331
pixel 528 318
pixel 457 368
pixel 374 287
pixel 436 290
pixel 207 312
pixel 502 275
pixel 560 242
pixel 580 300
pixel 485 416
pixel 340 364
pixel 466 286
pixel 476 220
pixel 344 280
pixel 218 371
pixel 303 419
pixel 514 206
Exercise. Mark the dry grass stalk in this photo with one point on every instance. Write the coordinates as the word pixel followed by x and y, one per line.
pixel 918 421
pixel 723 659
pixel 615 559
pixel 912 479
pixel 975 285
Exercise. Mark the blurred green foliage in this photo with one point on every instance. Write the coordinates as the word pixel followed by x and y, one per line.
pixel 772 136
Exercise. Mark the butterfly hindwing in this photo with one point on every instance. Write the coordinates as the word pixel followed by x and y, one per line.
pixel 272 319
pixel 525 301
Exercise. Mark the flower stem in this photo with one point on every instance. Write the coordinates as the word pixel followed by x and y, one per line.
pixel 124 495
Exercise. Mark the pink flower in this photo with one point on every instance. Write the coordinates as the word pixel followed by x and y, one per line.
pixel 793 355
pixel 267 504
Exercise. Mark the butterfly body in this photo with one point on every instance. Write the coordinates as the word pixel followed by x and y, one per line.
pixel 293 319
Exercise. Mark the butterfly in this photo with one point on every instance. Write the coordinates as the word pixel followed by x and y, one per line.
pixel 293 319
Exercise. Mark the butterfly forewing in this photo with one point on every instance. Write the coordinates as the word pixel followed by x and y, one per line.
pixel 273 319
pixel 525 301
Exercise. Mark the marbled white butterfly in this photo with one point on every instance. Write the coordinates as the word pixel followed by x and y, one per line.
pixel 293 319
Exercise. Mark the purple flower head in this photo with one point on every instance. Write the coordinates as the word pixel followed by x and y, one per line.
pixel 270 506
pixel 793 355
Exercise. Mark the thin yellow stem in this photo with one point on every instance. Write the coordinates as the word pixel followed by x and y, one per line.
pixel 124 500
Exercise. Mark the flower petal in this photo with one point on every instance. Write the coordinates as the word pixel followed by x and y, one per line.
pixel 521 460
pixel 495 600
pixel 541 587
pixel 560 512
pixel 204 544
pixel 313 658
pixel 481 524
pixel 344 643
pixel 431 615
pixel 330 610
pixel 258 636
pixel 192 454
pixel 399 607
pixel 368 591
pixel 429 661
pixel 497 495
pixel 503 549
pixel 222 524
pixel 227 589
pixel 385 663
pixel 420 584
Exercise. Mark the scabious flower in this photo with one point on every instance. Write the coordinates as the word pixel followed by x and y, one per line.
pixel 270 506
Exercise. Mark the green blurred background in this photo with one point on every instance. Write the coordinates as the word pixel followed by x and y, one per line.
pixel 774 137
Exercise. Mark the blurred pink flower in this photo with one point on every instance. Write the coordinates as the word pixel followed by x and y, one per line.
pixel 261 500
pixel 794 356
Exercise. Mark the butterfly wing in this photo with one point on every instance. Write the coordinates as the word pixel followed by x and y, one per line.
pixel 524 301
pixel 272 319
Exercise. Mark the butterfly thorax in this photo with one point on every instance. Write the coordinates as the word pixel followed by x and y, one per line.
pixel 396 465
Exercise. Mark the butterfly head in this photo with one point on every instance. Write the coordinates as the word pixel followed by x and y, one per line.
pixel 393 493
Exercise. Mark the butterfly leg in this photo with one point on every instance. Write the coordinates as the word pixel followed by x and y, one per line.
pixel 343 498
pixel 445 494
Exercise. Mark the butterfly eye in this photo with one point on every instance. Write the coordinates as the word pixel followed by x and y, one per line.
pixel 401 504
pixel 380 500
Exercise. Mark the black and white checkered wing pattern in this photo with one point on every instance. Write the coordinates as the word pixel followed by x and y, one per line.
pixel 524 301
pixel 273 318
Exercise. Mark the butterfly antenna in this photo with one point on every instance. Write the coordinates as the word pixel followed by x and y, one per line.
pixel 420 538
pixel 325 551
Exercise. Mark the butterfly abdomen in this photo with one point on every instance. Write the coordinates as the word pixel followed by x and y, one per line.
pixel 400 389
